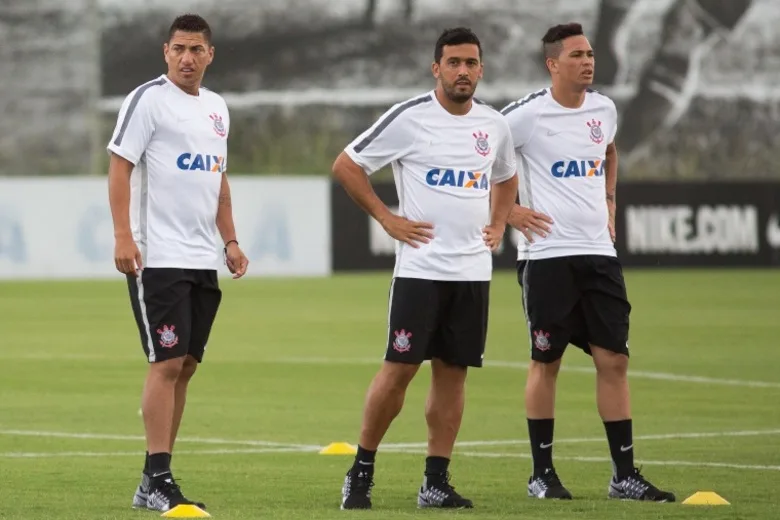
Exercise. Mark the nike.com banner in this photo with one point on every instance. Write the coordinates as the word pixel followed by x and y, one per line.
pixel 698 224
pixel 658 224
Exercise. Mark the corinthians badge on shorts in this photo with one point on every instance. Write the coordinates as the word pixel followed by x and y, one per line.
pixel 401 343
pixel 168 338
pixel 541 341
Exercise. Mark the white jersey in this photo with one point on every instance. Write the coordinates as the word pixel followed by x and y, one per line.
pixel 561 153
pixel 444 166
pixel 178 144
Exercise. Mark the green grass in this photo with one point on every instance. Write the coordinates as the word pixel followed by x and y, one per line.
pixel 290 361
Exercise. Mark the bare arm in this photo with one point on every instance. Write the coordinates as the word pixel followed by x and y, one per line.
pixel 611 182
pixel 503 198
pixel 355 182
pixel 119 171
pixel 515 217
pixel 225 224
pixel 528 222
pixel 235 259
pixel 127 256
pixel 611 173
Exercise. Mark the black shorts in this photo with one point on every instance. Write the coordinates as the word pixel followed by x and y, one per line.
pixel 574 299
pixel 174 310
pixel 437 319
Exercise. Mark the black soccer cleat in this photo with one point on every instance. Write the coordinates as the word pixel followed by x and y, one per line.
pixel 438 492
pixel 547 485
pixel 636 487
pixel 164 494
pixel 141 493
pixel 356 492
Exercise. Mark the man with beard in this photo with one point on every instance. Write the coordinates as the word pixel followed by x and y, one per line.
pixel 455 174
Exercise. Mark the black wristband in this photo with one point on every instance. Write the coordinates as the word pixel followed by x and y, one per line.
pixel 224 250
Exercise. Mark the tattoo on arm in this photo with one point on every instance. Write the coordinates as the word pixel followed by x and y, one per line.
pixel 224 200
pixel 611 197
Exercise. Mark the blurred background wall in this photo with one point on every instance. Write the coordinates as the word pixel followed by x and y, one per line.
pixel 697 83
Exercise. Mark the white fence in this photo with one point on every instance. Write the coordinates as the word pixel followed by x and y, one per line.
pixel 62 228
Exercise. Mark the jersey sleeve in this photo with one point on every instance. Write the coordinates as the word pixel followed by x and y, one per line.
pixel 614 127
pixel 226 120
pixel 134 126
pixel 506 159
pixel 387 140
pixel 521 119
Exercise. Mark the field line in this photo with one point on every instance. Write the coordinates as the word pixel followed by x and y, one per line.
pixel 193 440
pixel 476 454
pixel 388 446
pixel 632 374
pixel 140 453
pixel 727 465
pixel 577 440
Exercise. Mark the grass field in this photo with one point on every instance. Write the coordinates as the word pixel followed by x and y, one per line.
pixel 286 372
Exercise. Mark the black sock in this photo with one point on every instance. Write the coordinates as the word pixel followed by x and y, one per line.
pixel 621 447
pixel 159 464
pixel 540 432
pixel 436 466
pixel 364 461
pixel 146 464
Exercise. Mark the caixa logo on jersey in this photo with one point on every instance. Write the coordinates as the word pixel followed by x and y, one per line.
pixel 457 178
pixel 201 162
pixel 564 169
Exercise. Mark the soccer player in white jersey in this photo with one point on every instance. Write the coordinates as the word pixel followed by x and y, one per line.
pixel 572 282
pixel 169 196
pixel 451 155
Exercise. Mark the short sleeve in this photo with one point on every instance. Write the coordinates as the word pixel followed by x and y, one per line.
pixel 134 125
pixel 226 121
pixel 225 114
pixel 505 165
pixel 521 119
pixel 387 140
pixel 614 128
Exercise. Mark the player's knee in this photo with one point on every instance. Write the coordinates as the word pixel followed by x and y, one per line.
pixel 448 374
pixel 610 364
pixel 543 369
pixel 169 370
pixel 397 376
pixel 188 368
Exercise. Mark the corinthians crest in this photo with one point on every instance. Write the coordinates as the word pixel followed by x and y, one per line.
pixel 401 343
pixel 541 340
pixel 168 338
pixel 219 126
pixel 596 133
pixel 482 146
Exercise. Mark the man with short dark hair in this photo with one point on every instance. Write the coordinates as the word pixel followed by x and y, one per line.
pixel 455 173
pixel 572 281
pixel 169 196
